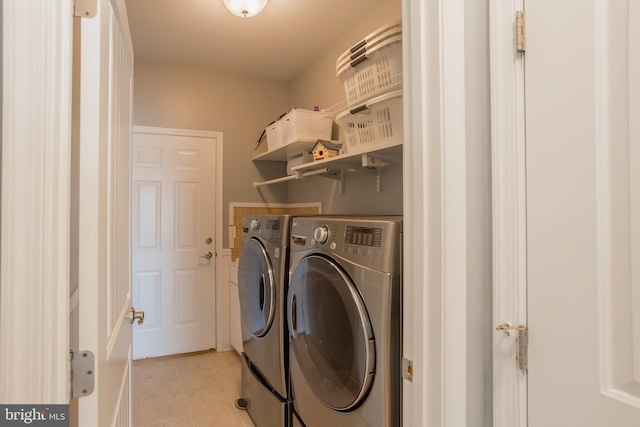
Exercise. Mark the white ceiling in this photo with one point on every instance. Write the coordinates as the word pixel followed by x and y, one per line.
pixel 276 44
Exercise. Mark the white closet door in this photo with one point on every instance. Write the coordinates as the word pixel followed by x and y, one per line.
pixel 174 265
pixel 582 77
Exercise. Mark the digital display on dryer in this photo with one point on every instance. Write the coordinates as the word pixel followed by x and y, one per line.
pixel 273 224
pixel 365 236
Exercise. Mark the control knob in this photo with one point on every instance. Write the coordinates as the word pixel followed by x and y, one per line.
pixel 321 234
pixel 255 225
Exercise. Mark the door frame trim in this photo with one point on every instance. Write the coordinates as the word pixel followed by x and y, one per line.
pixel 36 169
pixel 220 290
pixel 436 214
pixel 508 212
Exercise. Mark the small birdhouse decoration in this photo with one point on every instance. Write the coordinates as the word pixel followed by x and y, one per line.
pixel 324 149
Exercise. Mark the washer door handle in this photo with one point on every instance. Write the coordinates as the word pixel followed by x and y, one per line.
pixel 261 293
pixel 293 316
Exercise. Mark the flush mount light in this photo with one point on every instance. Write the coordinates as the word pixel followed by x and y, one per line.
pixel 245 8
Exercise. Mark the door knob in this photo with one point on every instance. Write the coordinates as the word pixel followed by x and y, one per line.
pixel 207 255
pixel 133 315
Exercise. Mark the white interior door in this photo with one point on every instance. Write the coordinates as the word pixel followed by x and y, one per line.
pixel 104 266
pixel 174 246
pixel 583 212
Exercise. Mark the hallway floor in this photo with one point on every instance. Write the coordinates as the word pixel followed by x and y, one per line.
pixel 188 391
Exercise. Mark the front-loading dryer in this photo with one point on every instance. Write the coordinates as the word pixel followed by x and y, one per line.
pixel 262 288
pixel 344 315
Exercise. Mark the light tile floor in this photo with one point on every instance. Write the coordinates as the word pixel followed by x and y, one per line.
pixel 188 391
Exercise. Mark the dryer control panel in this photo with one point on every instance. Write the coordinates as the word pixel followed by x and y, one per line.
pixel 365 236
pixel 372 242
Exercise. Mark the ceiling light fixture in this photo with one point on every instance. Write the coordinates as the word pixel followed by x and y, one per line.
pixel 245 8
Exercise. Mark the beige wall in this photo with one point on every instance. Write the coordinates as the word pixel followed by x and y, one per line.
pixel 319 85
pixel 178 96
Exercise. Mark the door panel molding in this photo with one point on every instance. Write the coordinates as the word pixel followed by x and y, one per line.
pixel 146 287
pixel 36 147
pixel 147 199
pixel 618 199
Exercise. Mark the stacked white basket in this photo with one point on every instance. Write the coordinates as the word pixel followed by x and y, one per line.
pixel 298 125
pixel 377 125
pixel 371 72
pixel 305 125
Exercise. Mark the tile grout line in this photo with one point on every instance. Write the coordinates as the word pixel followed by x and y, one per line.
pixel 182 392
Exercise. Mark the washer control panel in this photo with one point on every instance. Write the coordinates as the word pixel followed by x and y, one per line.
pixel 272 228
pixel 273 224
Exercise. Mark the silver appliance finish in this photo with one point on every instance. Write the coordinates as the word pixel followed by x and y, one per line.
pixel 262 281
pixel 265 407
pixel 344 316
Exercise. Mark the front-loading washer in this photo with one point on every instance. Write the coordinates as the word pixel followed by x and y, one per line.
pixel 344 315
pixel 262 288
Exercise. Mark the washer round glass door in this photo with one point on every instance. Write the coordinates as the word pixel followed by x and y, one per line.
pixel 331 334
pixel 257 288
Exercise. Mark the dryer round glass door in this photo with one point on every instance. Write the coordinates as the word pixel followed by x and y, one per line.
pixel 256 288
pixel 331 334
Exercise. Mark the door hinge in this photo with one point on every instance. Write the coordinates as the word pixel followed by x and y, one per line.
pixel 522 340
pixel 520 31
pixel 523 349
pixel 82 373
pixel 85 8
